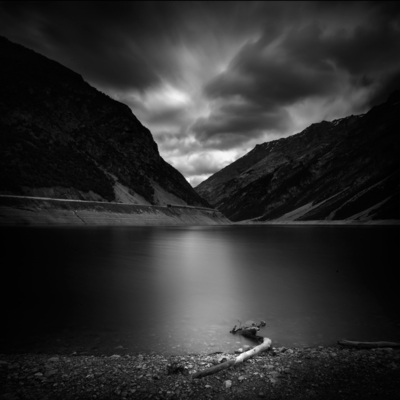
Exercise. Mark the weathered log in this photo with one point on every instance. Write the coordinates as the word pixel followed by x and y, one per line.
pixel 367 345
pixel 239 359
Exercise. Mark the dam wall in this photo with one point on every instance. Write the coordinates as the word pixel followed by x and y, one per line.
pixel 22 210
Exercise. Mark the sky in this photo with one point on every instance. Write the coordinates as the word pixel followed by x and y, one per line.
pixel 213 79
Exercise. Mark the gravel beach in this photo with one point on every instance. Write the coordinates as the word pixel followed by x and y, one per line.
pixel 279 373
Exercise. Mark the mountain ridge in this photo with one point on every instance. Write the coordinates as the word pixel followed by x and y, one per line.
pixel 62 138
pixel 331 171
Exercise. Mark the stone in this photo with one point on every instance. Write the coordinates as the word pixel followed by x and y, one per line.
pixel 239 351
pixel 282 349
pixel 228 384
pixel 50 372
pixel 115 356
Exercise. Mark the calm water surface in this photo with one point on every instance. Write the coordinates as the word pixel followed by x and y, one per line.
pixel 180 290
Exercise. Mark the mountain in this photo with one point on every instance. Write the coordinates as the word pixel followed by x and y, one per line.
pixel 346 169
pixel 62 138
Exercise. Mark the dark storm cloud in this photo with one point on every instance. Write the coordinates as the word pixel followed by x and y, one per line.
pixel 220 76
pixel 124 45
pixel 93 38
pixel 271 79
pixel 118 45
pixel 241 121
pixel 389 84
pixel 306 61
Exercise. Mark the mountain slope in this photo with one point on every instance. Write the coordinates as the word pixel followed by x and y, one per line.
pixel 344 169
pixel 60 137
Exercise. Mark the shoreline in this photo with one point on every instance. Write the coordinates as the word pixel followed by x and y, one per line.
pixel 390 222
pixel 40 211
pixel 33 211
pixel 278 373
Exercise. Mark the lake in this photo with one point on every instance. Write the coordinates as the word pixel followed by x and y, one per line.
pixel 178 290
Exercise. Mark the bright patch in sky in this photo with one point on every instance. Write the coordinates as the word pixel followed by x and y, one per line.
pixel 163 97
pixel 171 96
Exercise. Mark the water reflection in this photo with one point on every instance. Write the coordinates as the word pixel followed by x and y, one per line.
pixel 182 289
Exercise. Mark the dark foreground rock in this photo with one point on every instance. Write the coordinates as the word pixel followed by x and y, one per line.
pixel 309 373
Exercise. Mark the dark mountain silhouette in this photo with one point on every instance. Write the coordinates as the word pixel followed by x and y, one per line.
pixel 347 169
pixel 60 137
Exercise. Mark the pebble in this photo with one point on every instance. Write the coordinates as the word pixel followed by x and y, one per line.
pixel 50 372
pixel 228 384
pixel 239 351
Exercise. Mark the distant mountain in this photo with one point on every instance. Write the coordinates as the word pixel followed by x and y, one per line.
pixel 60 137
pixel 345 169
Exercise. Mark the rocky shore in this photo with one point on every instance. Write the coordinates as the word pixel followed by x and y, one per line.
pixel 280 373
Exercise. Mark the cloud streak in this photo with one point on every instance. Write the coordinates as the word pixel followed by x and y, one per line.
pixel 212 79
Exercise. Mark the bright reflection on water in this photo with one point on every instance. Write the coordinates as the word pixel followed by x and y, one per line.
pixel 180 290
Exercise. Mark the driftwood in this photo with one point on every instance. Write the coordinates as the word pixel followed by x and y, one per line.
pixel 239 359
pixel 249 332
pixel 367 345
